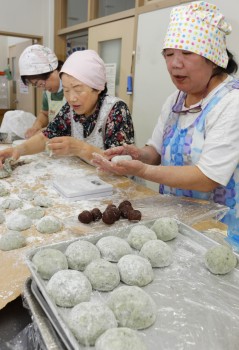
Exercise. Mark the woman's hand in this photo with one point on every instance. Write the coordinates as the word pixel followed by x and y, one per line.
pixel 9 153
pixel 123 167
pixel 126 149
pixel 63 146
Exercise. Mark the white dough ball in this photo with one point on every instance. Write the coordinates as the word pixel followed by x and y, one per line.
pixel 132 307
pixel 158 253
pixel 140 234
pixel 12 240
pixel 135 270
pixel 3 191
pixel 120 339
pixel 117 159
pixel 42 201
pixel 112 248
pixel 48 224
pixel 220 259
pixel 11 203
pixel 80 253
pixel 89 320
pixel 18 222
pixel 165 228
pixel 103 275
pixel 69 288
pixel 2 217
pixel 33 213
pixel 48 261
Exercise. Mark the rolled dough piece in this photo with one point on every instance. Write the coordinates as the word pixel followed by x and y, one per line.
pixel 117 159
pixel 27 195
pixel 140 234
pixel 48 224
pixel 132 307
pixel 80 253
pixel 135 270
pixel 89 320
pixel 6 171
pixel 2 217
pixel 165 228
pixel 103 275
pixel 158 253
pixel 42 201
pixel 3 191
pixel 11 203
pixel 120 339
pixel 48 261
pixel 69 288
pixel 18 222
pixel 12 240
pixel 220 260
pixel 112 248
pixel 33 213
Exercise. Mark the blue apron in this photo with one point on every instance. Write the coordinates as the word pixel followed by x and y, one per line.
pixel 184 146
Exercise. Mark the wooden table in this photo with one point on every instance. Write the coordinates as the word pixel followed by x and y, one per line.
pixel 38 171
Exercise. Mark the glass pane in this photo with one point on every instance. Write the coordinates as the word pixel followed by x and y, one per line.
pixel 110 52
pixel 108 7
pixel 76 12
pixel 77 41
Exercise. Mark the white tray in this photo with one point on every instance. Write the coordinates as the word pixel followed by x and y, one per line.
pixel 196 309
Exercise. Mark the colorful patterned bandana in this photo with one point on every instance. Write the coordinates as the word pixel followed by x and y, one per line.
pixel 199 27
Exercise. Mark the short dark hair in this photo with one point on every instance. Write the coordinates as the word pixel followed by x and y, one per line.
pixel 44 76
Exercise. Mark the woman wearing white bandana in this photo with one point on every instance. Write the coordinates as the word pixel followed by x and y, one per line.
pixel 196 139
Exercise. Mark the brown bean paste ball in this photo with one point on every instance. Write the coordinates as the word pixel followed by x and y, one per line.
pixel 134 215
pixel 96 214
pixel 108 217
pixel 85 217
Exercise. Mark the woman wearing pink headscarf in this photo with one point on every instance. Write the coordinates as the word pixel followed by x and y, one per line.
pixel 90 121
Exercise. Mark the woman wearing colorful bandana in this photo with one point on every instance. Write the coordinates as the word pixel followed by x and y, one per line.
pixel 196 139
pixel 39 67
pixel 90 121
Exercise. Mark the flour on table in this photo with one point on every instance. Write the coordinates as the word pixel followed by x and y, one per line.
pixel 33 213
pixel 12 240
pixel 18 222
pixel 103 275
pixel 138 235
pixel 158 253
pixel 48 261
pixel 80 253
pixel 48 224
pixel 135 270
pixel 11 203
pixel 132 307
pixel 120 338
pixel 89 320
pixel 165 228
pixel 69 288
pixel 112 248
pixel 42 201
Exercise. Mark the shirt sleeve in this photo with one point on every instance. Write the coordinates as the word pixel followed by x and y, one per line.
pixel 61 124
pixel 119 126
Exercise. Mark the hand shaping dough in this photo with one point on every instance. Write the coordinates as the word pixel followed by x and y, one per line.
pixel 132 307
pixel 48 224
pixel 112 248
pixel 80 253
pixel 140 234
pixel 120 339
pixel 158 253
pixel 117 159
pixel 165 228
pixel 89 320
pixel 12 240
pixel 11 203
pixel 135 270
pixel 69 288
pixel 18 222
pixel 103 275
pixel 48 261
pixel 220 260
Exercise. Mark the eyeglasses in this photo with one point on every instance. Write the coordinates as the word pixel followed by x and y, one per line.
pixel 38 84
pixel 177 108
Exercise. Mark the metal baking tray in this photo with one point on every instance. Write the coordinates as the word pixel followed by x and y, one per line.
pixel 196 309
